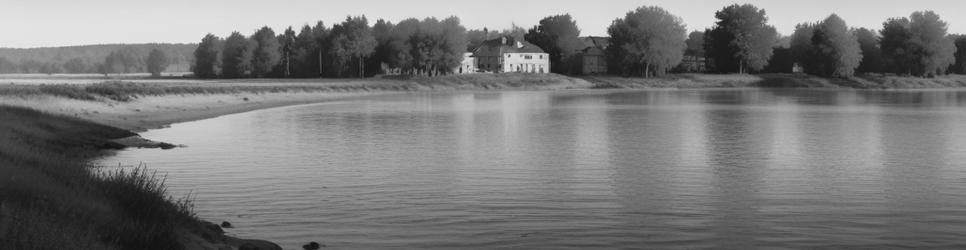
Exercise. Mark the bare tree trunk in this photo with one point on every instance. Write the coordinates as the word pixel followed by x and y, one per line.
pixel 320 63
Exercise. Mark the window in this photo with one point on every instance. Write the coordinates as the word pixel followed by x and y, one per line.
pixel 528 57
pixel 541 57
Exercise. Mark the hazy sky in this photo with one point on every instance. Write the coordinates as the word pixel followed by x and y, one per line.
pixel 42 23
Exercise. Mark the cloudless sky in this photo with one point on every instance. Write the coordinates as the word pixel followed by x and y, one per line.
pixel 44 23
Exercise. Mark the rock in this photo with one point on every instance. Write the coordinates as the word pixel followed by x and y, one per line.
pixel 166 146
pixel 312 246
pixel 225 224
pixel 258 245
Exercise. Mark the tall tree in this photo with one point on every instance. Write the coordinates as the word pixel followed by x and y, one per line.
pixel 236 57
pixel 560 38
pixel 650 38
pixel 206 57
pixel 896 46
pixel 828 48
pixel 695 44
pixel 287 42
pixel 122 61
pixel 308 50
pixel 741 39
pixel 157 62
pixel 475 38
pixel 936 50
pixel 382 31
pixel 872 60
pixel 960 66
pixel 917 45
pixel 350 43
pixel 266 52
pixel 400 45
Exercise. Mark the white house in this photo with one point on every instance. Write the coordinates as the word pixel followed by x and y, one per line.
pixel 506 54
pixel 468 65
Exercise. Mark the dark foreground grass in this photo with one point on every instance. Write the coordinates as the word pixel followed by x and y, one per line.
pixel 50 198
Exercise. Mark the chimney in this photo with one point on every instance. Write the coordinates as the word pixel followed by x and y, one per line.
pixel 486 34
pixel 519 45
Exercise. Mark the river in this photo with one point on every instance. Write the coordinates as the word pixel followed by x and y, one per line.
pixel 726 169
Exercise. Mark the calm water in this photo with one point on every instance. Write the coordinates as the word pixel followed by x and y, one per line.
pixel 732 169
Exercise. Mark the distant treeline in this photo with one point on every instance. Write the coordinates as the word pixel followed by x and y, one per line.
pixel 647 41
pixel 91 58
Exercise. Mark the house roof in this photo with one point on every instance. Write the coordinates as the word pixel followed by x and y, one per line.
pixel 596 41
pixel 506 44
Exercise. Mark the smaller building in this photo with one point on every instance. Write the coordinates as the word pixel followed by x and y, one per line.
pixel 593 59
pixel 468 65
pixel 506 54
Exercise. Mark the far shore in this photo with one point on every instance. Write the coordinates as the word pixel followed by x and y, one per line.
pixel 138 104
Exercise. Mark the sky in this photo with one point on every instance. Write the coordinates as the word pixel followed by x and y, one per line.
pixel 48 23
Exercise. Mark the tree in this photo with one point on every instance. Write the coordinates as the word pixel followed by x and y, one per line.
pixel 917 45
pixel 650 38
pixel 307 51
pixel 896 47
pixel 287 42
pixel 206 57
pixel 74 66
pixel 741 39
pixel 936 50
pixel 236 57
pixel 400 45
pixel 872 60
pixel 960 66
pixel 122 61
pixel 7 66
pixel 827 48
pixel 350 43
pixel 560 38
pixel 475 38
pixel 382 31
pixel 516 32
pixel 695 44
pixel 157 62
pixel 266 52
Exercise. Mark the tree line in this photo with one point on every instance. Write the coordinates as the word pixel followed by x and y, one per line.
pixel 647 41
pixel 351 48
pixel 87 59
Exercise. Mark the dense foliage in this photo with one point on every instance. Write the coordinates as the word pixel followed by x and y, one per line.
pixel 649 39
pixel 740 40
pixel 560 38
pixel 917 45
pixel 157 62
pixel 828 48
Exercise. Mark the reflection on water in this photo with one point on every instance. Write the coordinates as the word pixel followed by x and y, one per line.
pixel 731 169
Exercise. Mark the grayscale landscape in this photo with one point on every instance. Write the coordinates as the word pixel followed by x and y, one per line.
pixel 483 125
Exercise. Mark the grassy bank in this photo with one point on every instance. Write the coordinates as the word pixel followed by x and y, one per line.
pixel 51 198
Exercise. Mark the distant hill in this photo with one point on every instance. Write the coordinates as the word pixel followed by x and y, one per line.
pixel 86 58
